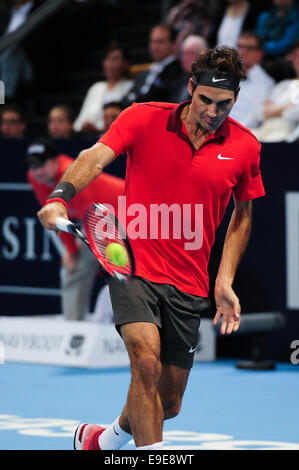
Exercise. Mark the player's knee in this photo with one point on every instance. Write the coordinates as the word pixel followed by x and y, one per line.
pixel 147 368
pixel 172 408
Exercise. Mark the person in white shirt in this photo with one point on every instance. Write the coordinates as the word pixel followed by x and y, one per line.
pixel 114 88
pixel 281 110
pixel 232 22
pixel 257 88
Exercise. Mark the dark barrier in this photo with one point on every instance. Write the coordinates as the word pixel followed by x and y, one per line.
pixel 258 326
pixel 29 255
pixel 267 276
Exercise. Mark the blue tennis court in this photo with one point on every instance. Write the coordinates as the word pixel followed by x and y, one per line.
pixel 224 408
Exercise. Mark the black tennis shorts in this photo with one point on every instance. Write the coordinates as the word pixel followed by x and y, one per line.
pixel 176 314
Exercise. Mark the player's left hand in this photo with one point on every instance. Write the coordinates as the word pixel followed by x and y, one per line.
pixel 228 306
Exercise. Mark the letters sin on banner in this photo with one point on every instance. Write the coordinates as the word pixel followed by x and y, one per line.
pixel 2 92
pixel 30 255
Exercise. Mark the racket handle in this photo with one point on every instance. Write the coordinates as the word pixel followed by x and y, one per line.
pixel 63 224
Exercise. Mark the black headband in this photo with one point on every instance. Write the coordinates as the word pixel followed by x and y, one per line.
pixel 210 78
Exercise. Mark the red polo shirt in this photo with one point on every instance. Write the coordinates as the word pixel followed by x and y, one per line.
pixel 104 189
pixel 164 168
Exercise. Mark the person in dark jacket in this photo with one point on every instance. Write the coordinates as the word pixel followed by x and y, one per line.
pixel 29 66
pixel 160 80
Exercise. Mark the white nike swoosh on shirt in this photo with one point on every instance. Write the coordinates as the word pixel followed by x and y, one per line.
pixel 58 191
pixel 215 80
pixel 224 158
pixel 191 350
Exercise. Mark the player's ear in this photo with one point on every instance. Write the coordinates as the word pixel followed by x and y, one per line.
pixel 190 86
pixel 237 94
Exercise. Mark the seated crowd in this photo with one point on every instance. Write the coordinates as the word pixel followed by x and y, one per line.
pixel 265 32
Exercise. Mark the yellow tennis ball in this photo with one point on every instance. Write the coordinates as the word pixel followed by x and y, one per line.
pixel 116 254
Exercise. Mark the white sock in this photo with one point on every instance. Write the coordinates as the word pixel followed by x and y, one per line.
pixel 155 446
pixel 114 437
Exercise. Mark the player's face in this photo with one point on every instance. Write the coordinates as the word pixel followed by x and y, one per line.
pixel 210 106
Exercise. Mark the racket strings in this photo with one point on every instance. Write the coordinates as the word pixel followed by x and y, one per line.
pixel 101 230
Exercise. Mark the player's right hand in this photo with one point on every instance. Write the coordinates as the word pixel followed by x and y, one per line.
pixel 49 213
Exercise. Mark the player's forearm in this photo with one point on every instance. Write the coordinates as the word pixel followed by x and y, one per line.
pixel 87 166
pixel 236 241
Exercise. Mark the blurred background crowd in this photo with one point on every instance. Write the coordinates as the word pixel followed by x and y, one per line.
pixel 69 71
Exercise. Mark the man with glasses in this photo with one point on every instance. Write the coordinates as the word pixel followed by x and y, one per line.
pixel 258 86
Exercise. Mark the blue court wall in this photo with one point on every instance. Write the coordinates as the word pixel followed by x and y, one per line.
pixel 29 259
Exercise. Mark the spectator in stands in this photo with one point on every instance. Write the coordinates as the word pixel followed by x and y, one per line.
pixel 114 88
pixel 281 110
pixel 161 79
pixel 13 123
pixel 279 27
pixel 15 67
pixel 232 17
pixel 61 122
pixel 256 89
pixel 111 111
pixel 190 17
pixel 78 265
pixel 191 46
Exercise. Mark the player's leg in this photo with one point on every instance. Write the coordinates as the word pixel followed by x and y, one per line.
pixel 143 413
pixel 144 408
pixel 172 386
pixel 134 303
pixel 179 336
pixel 180 316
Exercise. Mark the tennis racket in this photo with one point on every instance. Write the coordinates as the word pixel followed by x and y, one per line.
pixel 100 229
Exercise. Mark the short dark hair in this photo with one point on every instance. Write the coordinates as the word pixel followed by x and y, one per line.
pixel 115 104
pixel 223 60
pixel 67 109
pixel 257 37
pixel 172 31
pixel 15 109
pixel 115 46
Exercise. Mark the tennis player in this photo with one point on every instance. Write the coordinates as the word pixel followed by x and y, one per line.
pixel 178 155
